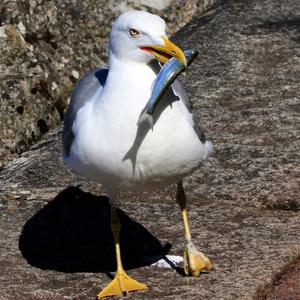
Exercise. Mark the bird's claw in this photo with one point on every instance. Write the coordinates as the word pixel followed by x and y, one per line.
pixel 194 261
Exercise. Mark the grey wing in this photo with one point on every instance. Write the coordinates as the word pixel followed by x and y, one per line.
pixel 83 92
pixel 180 92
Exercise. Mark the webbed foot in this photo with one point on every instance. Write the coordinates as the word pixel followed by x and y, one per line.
pixel 121 285
pixel 194 261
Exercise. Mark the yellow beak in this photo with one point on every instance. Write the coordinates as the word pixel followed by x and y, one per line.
pixel 164 53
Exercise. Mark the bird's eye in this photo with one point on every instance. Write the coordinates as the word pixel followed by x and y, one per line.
pixel 133 32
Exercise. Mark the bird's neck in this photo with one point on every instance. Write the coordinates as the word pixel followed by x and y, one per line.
pixel 128 84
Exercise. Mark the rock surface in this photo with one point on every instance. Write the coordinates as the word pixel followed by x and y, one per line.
pixel 46 46
pixel 244 201
pixel 286 284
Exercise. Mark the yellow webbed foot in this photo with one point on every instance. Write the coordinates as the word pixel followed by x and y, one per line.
pixel 194 261
pixel 121 285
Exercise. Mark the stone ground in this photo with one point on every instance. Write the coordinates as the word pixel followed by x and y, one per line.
pixel 46 45
pixel 286 285
pixel 244 201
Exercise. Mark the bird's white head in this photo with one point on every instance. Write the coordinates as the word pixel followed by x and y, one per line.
pixel 139 36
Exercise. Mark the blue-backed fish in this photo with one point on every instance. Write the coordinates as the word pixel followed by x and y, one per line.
pixel 166 76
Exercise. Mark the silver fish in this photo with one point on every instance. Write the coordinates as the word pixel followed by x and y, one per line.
pixel 166 76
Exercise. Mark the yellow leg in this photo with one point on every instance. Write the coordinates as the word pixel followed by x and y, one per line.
pixel 194 261
pixel 122 283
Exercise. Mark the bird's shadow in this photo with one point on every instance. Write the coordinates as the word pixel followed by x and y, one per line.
pixel 72 234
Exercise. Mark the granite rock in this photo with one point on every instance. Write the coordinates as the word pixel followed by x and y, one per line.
pixel 46 46
pixel 243 202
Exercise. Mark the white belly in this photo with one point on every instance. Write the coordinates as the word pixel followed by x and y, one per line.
pixel 112 153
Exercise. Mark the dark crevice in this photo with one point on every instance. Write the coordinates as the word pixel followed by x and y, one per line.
pixel 20 110
pixel 42 126
pixel 42 87
pixel 274 26
pixel 61 107
pixel 281 24
pixel 287 205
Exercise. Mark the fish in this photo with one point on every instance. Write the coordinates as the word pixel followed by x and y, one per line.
pixel 166 76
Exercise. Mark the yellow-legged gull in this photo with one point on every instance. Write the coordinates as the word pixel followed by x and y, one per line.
pixel 103 142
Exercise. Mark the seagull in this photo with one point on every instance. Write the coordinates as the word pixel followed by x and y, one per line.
pixel 103 142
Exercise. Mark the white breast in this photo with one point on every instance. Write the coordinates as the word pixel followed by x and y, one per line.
pixel 111 149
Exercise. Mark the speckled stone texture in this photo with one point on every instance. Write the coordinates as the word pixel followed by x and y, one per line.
pixel 243 202
pixel 286 284
pixel 47 45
